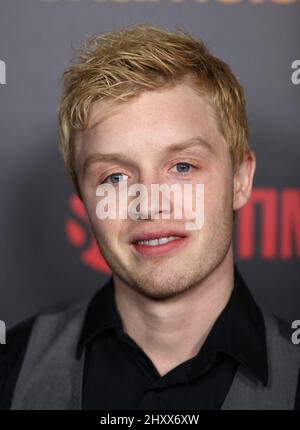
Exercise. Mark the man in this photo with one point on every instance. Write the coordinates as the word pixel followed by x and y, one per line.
pixel 175 327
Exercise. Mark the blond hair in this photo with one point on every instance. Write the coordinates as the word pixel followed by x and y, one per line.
pixel 121 64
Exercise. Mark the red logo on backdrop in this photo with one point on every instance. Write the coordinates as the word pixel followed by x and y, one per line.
pixel 277 220
pixel 80 235
pixel 276 215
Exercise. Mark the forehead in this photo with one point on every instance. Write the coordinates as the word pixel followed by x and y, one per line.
pixel 152 120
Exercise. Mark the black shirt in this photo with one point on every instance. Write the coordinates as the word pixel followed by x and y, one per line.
pixel 119 375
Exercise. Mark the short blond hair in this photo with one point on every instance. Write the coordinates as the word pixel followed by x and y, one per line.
pixel 121 64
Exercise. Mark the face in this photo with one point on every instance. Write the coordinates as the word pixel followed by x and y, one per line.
pixel 160 137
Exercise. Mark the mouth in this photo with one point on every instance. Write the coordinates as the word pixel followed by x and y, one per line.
pixel 158 243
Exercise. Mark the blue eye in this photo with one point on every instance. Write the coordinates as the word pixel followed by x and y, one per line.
pixel 114 178
pixel 183 167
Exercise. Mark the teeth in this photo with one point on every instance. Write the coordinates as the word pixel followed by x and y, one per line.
pixel 156 242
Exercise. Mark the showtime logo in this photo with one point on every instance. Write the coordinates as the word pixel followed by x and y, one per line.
pixel 278 221
pixel 274 214
pixel 79 234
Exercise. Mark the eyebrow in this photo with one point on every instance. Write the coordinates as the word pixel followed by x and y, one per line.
pixel 98 157
pixel 195 141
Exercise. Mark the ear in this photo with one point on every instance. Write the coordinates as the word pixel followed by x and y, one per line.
pixel 243 179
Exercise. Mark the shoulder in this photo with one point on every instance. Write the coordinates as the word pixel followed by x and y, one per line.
pixel 290 334
pixel 283 334
pixel 11 357
pixel 285 329
pixel 12 353
pixel 64 318
pixel 16 337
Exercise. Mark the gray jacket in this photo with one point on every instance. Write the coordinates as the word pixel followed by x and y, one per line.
pixel 51 376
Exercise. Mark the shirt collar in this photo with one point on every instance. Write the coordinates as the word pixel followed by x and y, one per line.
pixel 101 315
pixel 239 331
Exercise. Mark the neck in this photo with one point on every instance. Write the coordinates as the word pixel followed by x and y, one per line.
pixel 172 331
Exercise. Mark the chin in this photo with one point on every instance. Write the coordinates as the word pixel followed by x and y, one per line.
pixel 162 287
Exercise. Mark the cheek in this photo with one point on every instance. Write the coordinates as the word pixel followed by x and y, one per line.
pixel 103 229
pixel 218 197
pixel 109 232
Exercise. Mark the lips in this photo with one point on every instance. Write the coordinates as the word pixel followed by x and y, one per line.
pixel 151 244
pixel 157 235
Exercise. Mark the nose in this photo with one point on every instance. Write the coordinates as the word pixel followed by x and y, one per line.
pixel 150 203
